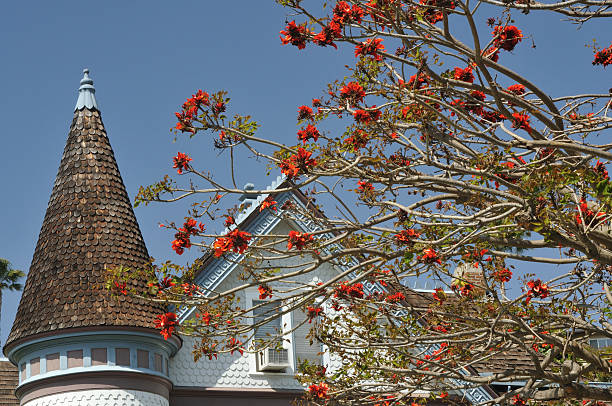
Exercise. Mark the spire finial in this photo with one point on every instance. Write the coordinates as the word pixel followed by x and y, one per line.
pixel 87 98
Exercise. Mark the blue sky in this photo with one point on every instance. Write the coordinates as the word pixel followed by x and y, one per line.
pixel 146 58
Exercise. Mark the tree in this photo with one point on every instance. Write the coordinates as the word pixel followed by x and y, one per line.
pixel 9 278
pixel 454 161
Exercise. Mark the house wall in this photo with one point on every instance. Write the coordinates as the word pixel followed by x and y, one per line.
pixel 103 397
pixel 236 371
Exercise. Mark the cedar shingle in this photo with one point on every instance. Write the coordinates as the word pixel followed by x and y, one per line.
pixel 9 378
pixel 89 225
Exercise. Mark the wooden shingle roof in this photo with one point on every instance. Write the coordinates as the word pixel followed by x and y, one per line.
pixel 89 226
pixel 9 378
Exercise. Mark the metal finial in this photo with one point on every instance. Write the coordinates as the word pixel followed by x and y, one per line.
pixel 87 92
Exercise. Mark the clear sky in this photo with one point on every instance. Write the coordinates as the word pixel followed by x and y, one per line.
pixel 146 57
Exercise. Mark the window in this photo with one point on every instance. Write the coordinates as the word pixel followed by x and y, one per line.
pixel 306 348
pixel 272 358
pixel 600 343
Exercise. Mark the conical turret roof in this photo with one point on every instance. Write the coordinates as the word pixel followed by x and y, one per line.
pixel 89 226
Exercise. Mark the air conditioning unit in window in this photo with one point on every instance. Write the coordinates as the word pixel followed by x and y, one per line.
pixel 272 359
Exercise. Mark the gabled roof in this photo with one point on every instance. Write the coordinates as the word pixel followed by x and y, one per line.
pixel 89 226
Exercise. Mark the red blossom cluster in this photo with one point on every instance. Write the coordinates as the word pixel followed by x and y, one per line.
pixel 190 289
pixel 353 92
pixel 395 298
pixel 536 289
pixel 218 108
pixel 295 35
pixel 600 169
pixel 517 89
pixel 298 240
pixel 433 12
pixel 506 37
pixel 366 116
pixel 365 187
pixel 439 295
pixel 517 400
pixel 319 391
pixel 182 238
pixel 345 291
pixel 310 132
pixel 398 159
pixel 406 237
pixel 521 121
pixel 603 57
pixel 305 113
pixel 236 241
pixel 464 75
pixel 430 256
pixel 166 323
pixel 416 81
pixel 181 162
pixel 312 312
pixel 357 140
pixel 370 47
pixel 265 291
pixel 120 287
pixel 502 275
pixel 190 110
pixel 229 220
pixel 268 203
pixel 297 164
pixel 586 214
pixel 235 345
pixel 165 283
pixel 475 107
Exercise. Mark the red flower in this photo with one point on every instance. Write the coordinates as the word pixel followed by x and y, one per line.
pixel 183 235
pixel 521 121
pixel 298 240
pixel 406 237
pixel 507 37
pixel 319 391
pixel 121 287
pixel 295 35
pixel 305 112
pixel 268 203
pixel 166 322
pixel 365 187
pixel 353 92
pixel 181 162
pixel 297 164
pixel 218 108
pixel 536 289
pixel 517 400
pixel 493 116
pixel 432 13
pixel 603 57
pixel 235 345
pixel 370 47
pixel 587 214
pixel 517 89
pixel 236 241
pixel 229 220
pixel 601 170
pixel 503 275
pixel 417 81
pixel 189 288
pixel 365 116
pixel 492 54
pixel 344 291
pixel 464 75
pixel 313 312
pixel 430 256
pixel 474 107
pixel 439 295
pixel 395 298
pixel 264 292
pixel 206 318
pixel 189 111
pixel 357 140
pixel 307 133
pixel 330 32
pixel 316 102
